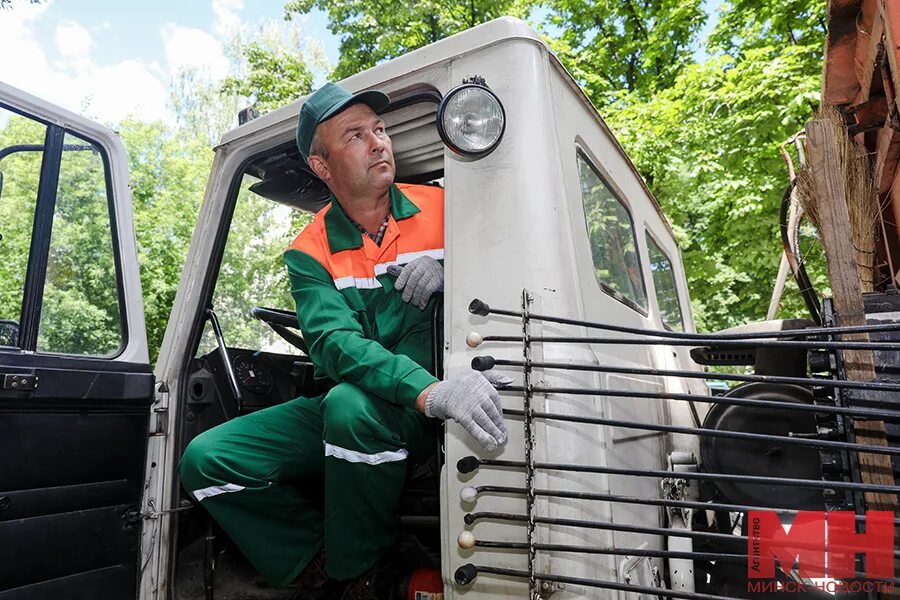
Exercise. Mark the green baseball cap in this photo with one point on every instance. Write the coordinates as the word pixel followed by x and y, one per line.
pixel 328 101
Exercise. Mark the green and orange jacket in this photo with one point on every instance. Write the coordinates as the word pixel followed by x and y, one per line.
pixel 357 327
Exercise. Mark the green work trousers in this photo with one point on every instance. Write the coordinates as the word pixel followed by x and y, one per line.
pixel 245 472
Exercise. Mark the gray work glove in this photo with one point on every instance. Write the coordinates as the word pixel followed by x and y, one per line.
pixel 419 280
pixel 471 400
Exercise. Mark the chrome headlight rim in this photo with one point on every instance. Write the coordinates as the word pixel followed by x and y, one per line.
pixel 440 121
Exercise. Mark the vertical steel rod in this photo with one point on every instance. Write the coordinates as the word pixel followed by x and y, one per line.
pixel 529 444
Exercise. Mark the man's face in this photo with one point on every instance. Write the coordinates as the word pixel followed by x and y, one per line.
pixel 360 161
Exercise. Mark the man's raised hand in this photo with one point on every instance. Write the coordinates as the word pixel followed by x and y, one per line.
pixel 418 280
pixel 471 400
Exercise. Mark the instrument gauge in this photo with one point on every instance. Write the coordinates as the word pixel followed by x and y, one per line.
pixel 252 375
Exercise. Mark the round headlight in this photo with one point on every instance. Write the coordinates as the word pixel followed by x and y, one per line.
pixel 471 120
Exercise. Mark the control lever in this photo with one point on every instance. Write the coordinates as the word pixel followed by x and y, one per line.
pixel 223 353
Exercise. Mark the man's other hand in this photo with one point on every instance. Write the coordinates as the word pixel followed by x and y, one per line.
pixel 471 400
pixel 419 280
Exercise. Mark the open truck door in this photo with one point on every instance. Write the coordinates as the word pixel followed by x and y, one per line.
pixel 75 380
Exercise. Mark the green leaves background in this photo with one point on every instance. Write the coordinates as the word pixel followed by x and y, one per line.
pixel 700 95
pixel 702 119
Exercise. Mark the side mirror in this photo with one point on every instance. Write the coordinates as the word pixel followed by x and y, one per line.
pixel 9 333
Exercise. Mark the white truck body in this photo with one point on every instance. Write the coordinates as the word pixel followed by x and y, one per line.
pixel 515 220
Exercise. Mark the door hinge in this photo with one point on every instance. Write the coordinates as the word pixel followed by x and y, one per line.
pixel 161 419
pixel 20 382
pixel 160 409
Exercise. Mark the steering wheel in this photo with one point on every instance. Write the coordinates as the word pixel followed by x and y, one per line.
pixel 281 322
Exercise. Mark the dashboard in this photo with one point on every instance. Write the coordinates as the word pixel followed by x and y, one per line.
pixel 263 379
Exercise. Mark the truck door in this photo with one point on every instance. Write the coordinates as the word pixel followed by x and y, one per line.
pixel 75 379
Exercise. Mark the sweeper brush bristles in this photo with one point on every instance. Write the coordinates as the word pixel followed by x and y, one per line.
pixel 859 191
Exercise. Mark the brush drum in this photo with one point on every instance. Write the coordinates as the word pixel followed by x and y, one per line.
pixel 763 458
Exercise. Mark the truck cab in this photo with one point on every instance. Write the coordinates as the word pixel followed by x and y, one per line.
pixel 552 219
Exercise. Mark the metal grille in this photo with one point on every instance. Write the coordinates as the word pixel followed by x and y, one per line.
pixel 827 402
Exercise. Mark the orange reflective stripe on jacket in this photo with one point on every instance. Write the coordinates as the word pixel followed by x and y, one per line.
pixel 404 241
pixel 356 325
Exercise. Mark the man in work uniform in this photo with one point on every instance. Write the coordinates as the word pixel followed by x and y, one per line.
pixel 368 329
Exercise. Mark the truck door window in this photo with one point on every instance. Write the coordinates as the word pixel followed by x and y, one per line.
pixel 21 153
pixel 664 284
pixel 252 272
pixel 613 243
pixel 80 308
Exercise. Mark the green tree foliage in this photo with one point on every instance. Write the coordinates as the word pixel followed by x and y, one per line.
pixel 274 72
pixel 252 271
pixel 202 111
pixel 169 172
pixel 274 77
pixel 747 24
pixel 169 167
pixel 80 306
pixel 19 173
pixel 623 46
pixel 371 32
pixel 275 67
pixel 708 146
pixel 80 313
pixel 80 309
pixel 704 134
